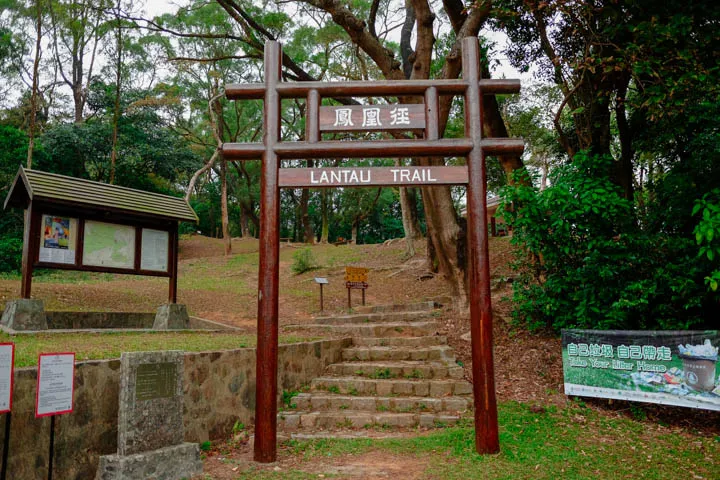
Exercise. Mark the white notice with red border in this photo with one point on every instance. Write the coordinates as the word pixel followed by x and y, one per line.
pixel 55 384
pixel 7 364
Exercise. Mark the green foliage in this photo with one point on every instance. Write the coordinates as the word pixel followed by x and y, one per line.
pixel 586 263
pixel 707 234
pixel 287 397
pixel 11 254
pixel 303 261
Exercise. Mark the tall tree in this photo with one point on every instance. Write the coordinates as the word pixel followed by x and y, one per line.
pixel 359 24
pixel 35 82
pixel 77 29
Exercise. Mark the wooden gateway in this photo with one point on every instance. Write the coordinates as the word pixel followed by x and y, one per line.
pixel 77 224
pixel 421 119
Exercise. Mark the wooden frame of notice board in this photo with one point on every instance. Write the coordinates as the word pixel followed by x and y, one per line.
pixel 34 240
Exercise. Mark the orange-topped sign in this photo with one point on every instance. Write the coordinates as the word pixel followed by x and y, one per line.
pixel 356 274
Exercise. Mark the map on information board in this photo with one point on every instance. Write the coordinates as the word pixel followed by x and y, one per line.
pixel 109 245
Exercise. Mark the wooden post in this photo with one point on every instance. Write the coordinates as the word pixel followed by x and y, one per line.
pixel 321 298
pixel 266 397
pixel 31 244
pixel 486 424
pixel 173 265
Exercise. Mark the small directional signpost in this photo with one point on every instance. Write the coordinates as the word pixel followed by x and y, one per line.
pixel 321 281
pixel 421 120
pixel 55 388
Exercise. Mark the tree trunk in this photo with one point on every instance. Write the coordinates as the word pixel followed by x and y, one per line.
pixel 34 97
pixel 407 220
pixel 224 205
pixel 325 232
pixel 244 224
pixel 309 235
pixel 412 194
pixel 225 214
pixel 354 231
pixel 443 232
pixel 118 86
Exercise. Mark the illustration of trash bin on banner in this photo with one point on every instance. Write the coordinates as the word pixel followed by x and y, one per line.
pixel 699 363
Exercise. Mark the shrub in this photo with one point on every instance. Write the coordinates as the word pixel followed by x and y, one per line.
pixel 707 234
pixel 10 254
pixel 303 261
pixel 585 261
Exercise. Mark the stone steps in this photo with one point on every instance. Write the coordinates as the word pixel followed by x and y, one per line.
pixel 410 369
pixel 387 352
pixel 398 373
pixel 321 401
pixel 394 329
pixel 410 307
pixel 415 342
pixel 384 387
pixel 362 419
pixel 362 318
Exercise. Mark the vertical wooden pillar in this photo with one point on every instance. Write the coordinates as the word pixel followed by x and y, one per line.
pixel 31 245
pixel 432 112
pixel 486 425
pixel 266 396
pixel 173 265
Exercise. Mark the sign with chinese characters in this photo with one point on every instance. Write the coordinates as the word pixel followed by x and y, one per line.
pixel 667 367
pixel 55 384
pixel 372 117
pixel 356 274
pixel 7 363
pixel 372 176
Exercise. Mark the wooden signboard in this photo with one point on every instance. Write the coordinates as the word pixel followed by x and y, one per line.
pixel 372 118
pixel 356 274
pixel 372 176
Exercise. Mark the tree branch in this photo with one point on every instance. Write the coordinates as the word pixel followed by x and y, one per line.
pixel 455 11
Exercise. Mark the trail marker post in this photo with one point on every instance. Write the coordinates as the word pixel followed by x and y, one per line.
pixel 414 118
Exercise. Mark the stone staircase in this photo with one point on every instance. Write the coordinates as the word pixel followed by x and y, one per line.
pixel 396 373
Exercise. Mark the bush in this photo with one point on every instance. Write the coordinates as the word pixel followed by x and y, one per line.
pixel 10 254
pixel 303 261
pixel 585 262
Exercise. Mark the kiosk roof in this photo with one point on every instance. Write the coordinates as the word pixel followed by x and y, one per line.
pixel 37 185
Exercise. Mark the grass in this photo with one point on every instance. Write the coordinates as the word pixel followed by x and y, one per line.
pixel 96 346
pixel 574 442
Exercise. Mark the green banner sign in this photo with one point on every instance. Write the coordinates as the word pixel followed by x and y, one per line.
pixel 667 367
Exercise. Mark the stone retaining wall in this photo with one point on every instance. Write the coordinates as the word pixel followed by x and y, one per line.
pixel 96 320
pixel 219 390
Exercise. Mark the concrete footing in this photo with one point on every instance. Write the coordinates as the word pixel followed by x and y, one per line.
pixel 169 463
pixel 24 314
pixel 172 316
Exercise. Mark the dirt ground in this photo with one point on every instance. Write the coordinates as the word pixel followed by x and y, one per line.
pixel 372 465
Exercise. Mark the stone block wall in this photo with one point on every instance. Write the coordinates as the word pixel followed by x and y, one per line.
pixel 219 390
pixel 93 320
